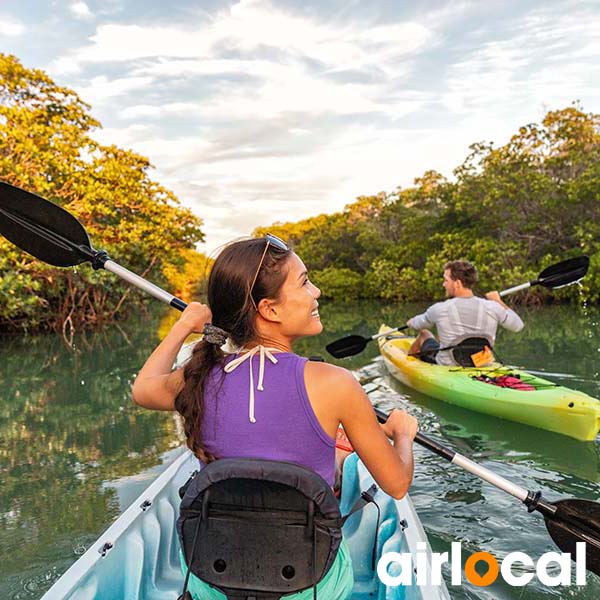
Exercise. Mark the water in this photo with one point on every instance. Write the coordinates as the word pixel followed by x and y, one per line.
pixel 74 451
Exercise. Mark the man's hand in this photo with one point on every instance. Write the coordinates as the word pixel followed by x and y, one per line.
pixel 495 296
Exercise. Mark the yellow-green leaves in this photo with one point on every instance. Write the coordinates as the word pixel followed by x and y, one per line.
pixel 46 147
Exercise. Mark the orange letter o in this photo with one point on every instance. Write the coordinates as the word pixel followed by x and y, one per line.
pixel 474 577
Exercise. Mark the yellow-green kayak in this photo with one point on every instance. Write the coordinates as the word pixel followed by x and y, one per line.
pixel 549 406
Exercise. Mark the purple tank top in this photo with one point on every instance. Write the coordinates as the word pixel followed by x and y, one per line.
pixel 285 428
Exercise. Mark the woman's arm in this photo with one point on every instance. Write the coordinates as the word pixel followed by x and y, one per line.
pixel 156 385
pixel 338 396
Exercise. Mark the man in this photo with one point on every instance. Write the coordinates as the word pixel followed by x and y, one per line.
pixel 463 315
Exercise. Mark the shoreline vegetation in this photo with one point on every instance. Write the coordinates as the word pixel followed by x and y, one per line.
pixel 47 147
pixel 512 210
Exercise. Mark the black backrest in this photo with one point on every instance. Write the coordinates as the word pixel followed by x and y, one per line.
pixel 463 350
pixel 259 528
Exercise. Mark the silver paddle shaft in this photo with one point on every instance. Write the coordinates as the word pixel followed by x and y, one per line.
pixel 517 288
pixel 489 476
pixel 465 463
pixel 380 335
pixel 143 284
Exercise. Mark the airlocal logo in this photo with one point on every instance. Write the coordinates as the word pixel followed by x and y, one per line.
pixel 395 568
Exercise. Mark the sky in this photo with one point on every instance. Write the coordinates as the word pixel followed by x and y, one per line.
pixel 257 111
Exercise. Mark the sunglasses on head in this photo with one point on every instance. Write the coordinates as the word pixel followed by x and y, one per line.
pixel 271 240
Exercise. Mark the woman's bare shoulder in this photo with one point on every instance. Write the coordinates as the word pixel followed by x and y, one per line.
pixel 329 377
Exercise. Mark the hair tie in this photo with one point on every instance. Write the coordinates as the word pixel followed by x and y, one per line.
pixel 214 335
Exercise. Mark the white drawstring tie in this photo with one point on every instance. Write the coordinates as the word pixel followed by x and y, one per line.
pixel 247 355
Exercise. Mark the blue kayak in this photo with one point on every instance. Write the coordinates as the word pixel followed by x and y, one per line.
pixel 137 557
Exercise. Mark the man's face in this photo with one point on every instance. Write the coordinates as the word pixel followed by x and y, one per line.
pixel 449 284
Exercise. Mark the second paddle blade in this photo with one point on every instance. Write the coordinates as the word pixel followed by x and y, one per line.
pixel 348 346
pixel 564 273
pixel 41 228
pixel 577 521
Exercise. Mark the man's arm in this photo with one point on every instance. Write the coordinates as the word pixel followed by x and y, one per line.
pixel 423 321
pixel 507 318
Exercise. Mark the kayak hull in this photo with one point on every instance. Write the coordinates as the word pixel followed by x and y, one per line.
pixel 551 407
pixel 137 558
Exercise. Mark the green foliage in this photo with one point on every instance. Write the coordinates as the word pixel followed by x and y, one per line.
pixel 511 210
pixel 339 283
pixel 46 147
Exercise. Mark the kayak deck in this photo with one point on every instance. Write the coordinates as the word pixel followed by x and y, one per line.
pixel 137 557
pixel 549 406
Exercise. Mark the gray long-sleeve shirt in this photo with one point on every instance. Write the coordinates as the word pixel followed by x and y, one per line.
pixel 458 318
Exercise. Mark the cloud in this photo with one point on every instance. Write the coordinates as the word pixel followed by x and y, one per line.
pixel 236 194
pixel 234 207
pixel 10 27
pixel 125 137
pixel 253 62
pixel 141 111
pixel 81 10
pixel 101 88
pixel 542 59
pixel 248 26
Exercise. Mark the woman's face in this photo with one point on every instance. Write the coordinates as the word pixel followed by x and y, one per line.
pixel 297 307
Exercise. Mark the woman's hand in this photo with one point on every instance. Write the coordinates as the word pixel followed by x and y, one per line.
pixel 156 386
pixel 400 423
pixel 195 317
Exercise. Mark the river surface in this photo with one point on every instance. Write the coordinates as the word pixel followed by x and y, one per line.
pixel 74 451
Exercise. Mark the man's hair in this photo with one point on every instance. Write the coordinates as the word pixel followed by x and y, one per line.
pixel 462 270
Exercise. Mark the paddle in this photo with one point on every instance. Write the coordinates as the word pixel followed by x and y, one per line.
pixel 353 344
pixel 568 521
pixel 50 233
pixel 555 276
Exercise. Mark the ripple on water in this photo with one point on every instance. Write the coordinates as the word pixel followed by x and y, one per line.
pixel 30 586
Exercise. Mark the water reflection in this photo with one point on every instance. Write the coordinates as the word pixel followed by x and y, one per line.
pixel 66 426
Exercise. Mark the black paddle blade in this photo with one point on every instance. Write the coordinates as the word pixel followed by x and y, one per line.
pixel 564 273
pixel 577 521
pixel 348 346
pixel 42 228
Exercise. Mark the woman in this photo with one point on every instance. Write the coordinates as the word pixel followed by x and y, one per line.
pixel 284 407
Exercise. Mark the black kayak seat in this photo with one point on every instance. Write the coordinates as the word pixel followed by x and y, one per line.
pixel 259 529
pixel 464 349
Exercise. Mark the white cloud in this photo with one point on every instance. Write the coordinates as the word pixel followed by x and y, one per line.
pixel 65 65
pixel 81 10
pixel 543 60
pixel 125 137
pixel 10 27
pixel 140 111
pixel 101 88
pixel 252 24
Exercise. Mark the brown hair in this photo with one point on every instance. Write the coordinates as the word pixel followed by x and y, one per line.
pixel 462 270
pixel 228 293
